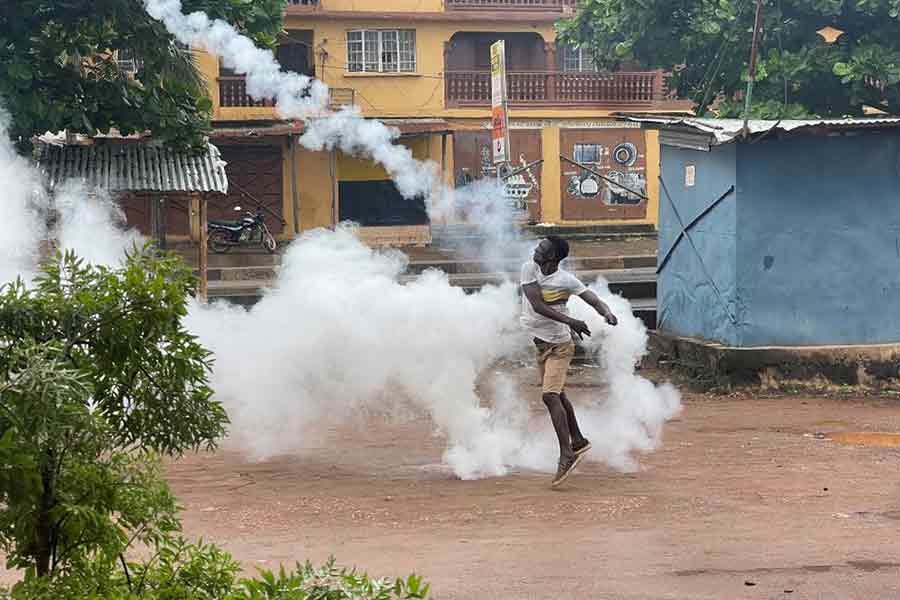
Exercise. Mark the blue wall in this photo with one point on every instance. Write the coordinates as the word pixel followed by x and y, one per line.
pixel 818 252
pixel 687 303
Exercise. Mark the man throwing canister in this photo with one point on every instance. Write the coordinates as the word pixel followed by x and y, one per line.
pixel 547 288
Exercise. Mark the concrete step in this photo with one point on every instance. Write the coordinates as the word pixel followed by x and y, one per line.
pixel 631 283
pixel 587 265
pixel 512 265
pixel 237 259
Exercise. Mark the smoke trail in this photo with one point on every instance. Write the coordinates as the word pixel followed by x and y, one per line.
pixel 299 97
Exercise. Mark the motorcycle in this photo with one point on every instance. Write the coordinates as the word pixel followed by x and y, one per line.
pixel 249 231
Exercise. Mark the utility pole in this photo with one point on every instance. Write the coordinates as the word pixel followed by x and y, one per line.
pixel 753 51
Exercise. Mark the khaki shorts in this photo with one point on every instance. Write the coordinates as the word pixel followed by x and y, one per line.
pixel 553 364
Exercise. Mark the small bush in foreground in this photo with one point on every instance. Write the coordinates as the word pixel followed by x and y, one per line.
pixel 183 571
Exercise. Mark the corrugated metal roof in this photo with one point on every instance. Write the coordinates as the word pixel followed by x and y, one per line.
pixel 727 130
pixel 134 166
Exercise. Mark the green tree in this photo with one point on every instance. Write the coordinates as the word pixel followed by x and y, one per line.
pixel 58 67
pixel 98 378
pixel 705 44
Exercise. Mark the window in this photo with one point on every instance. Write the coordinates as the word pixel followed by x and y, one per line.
pixel 128 61
pixel 587 154
pixel 379 204
pixel 225 71
pixel 577 59
pixel 381 51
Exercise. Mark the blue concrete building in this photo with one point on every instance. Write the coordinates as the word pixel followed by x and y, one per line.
pixel 785 233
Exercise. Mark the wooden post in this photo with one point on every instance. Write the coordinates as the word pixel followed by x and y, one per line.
pixel 332 167
pixel 444 156
pixel 295 192
pixel 203 287
pixel 553 70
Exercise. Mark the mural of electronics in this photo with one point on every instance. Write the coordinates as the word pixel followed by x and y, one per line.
pixel 609 177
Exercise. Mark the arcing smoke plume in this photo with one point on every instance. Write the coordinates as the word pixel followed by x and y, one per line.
pixel 339 335
pixel 363 339
pixel 299 97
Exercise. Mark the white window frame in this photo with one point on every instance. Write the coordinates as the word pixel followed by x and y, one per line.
pixel 128 61
pixel 394 51
pixel 579 58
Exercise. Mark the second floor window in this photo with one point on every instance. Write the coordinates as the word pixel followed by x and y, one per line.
pixel 128 61
pixel 576 59
pixel 381 51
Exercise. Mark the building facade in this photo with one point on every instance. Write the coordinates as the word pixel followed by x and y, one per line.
pixel 423 66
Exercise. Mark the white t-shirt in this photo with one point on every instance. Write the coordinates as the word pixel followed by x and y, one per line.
pixel 555 289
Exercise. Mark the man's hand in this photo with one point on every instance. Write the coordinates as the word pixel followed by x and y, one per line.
pixel 611 318
pixel 580 328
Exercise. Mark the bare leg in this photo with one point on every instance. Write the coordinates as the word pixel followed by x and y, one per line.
pixel 561 424
pixel 574 431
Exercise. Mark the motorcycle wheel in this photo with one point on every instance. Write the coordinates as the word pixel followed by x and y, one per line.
pixel 269 242
pixel 218 242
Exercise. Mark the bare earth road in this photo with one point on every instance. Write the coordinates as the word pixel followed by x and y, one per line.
pixel 743 501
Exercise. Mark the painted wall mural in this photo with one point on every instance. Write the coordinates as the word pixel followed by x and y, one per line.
pixel 472 161
pixel 619 155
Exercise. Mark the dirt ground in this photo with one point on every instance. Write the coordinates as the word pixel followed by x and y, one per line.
pixel 744 500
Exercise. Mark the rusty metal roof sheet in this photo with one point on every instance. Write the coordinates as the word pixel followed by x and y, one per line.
pixel 727 130
pixel 134 166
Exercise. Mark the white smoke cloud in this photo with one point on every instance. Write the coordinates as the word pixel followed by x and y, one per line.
pixel 299 97
pixel 338 336
pixel 21 224
pixel 630 415
pixel 92 225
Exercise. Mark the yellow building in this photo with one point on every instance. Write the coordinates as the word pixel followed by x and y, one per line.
pixel 423 67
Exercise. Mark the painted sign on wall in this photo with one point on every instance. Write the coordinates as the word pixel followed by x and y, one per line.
pixel 617 154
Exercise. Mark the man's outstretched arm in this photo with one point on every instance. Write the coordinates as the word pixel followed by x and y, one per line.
pixel 598 305
pixel 532 293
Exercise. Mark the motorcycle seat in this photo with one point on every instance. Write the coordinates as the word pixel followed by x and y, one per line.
pixel 228 224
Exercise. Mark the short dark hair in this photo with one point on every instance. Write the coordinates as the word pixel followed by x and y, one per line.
pixel 560 246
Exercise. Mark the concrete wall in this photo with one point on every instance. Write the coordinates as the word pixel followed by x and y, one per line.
pixel 687 301
pixel 818 256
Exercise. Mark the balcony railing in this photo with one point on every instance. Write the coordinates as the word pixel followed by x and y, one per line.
pixel 233 93
pixel 535 5
pixel 473 88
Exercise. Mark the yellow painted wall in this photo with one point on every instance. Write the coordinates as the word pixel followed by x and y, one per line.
pixel 551 201
pixel 417 94
pixel 410 95
pixel 314 184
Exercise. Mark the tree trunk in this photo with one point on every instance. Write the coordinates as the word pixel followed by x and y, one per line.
pixel 43 534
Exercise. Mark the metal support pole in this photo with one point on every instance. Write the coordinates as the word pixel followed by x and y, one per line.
pixel 753 49
pixel 295 191
pixel 203 287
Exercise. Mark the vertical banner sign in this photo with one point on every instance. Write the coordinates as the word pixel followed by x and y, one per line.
pixel 499 122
